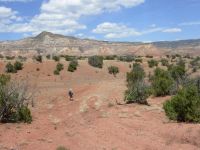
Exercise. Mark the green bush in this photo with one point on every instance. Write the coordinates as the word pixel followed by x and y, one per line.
pixel 70 58
pixel 162 82
pixel 152 63
pixel 138 60
pixel 56 58
pixel 10 68
pixel 185 105
pixel 59 67
pixel 13 101
pixel 96 61
pixel 61 148
pixel 56 72
pixel 110 57
pixel 18 65
pixel 113 70
pixel 72 66
pixel 149 56
pixel 24 115
pixel 137 91
pixel 137 74
pixel 164 62
pixel 10 57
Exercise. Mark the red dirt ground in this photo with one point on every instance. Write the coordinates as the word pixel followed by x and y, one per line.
pixel 93 121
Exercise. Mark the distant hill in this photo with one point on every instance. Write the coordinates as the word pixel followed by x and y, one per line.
pixel 48 43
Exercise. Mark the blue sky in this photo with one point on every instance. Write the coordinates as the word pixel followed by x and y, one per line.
pixel 113 20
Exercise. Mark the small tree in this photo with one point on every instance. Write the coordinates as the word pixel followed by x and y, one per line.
pixel 152 63
pixel 138 91
pixel 96 61
pixel 72 66
pixel 18 65
pixel 113 70
pixel 184 106
pixel 14 100
pixel 162 82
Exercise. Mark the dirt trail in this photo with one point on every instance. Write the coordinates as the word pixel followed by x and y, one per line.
pixel 93 121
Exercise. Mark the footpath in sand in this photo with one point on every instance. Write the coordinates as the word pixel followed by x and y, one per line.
pixel 93 121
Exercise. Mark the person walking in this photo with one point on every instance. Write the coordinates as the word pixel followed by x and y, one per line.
pixel 71 94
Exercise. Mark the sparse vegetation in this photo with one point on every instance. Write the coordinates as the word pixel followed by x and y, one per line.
pixel 164 62
pixel 138 90
pixel 10 68
pixel 18 65
pixel 59 67
pixel 110 57
pixel 138 60
pixel 56 58
pixel 152 63
pixel 113 70
pixel 72 65
pixel 14 99
pixel 56 72
pixel 62 148
pixel 96 61
pixel 69 58
pixel 10 57
pixel 127 58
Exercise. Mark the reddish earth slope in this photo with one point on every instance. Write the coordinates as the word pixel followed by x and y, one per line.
pixel 92 121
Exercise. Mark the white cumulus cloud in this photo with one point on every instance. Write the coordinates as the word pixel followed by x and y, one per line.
pixel 114 30
pixel 62 16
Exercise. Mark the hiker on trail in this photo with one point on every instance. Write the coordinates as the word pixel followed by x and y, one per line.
pixel 71 95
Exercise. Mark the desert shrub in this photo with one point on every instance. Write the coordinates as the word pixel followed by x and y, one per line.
pixel 72 66
pixel 56 72
pixel 38 58
pixel 127 58
pixel 113 70
pixel 178 72
pixel 96 61
pixel 110 57
pixel 162 82
pixel 10 57
pixel 59 67
pixel 138 60
pixel 48 56
pixel 56 58
pixel 137 74
pixel 152 63
pixel 70 58
pixel 149 56
pixel 137 91
pixel 184 106
pixel 10 68
pixel 164 62
pixel 18 65
pixel 14 99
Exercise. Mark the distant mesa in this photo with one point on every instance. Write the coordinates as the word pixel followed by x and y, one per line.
pixel 47 42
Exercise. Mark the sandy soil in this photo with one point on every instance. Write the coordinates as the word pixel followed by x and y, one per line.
pixel 93 121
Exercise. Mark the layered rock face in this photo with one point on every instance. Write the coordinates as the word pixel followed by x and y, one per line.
pixel 48 43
